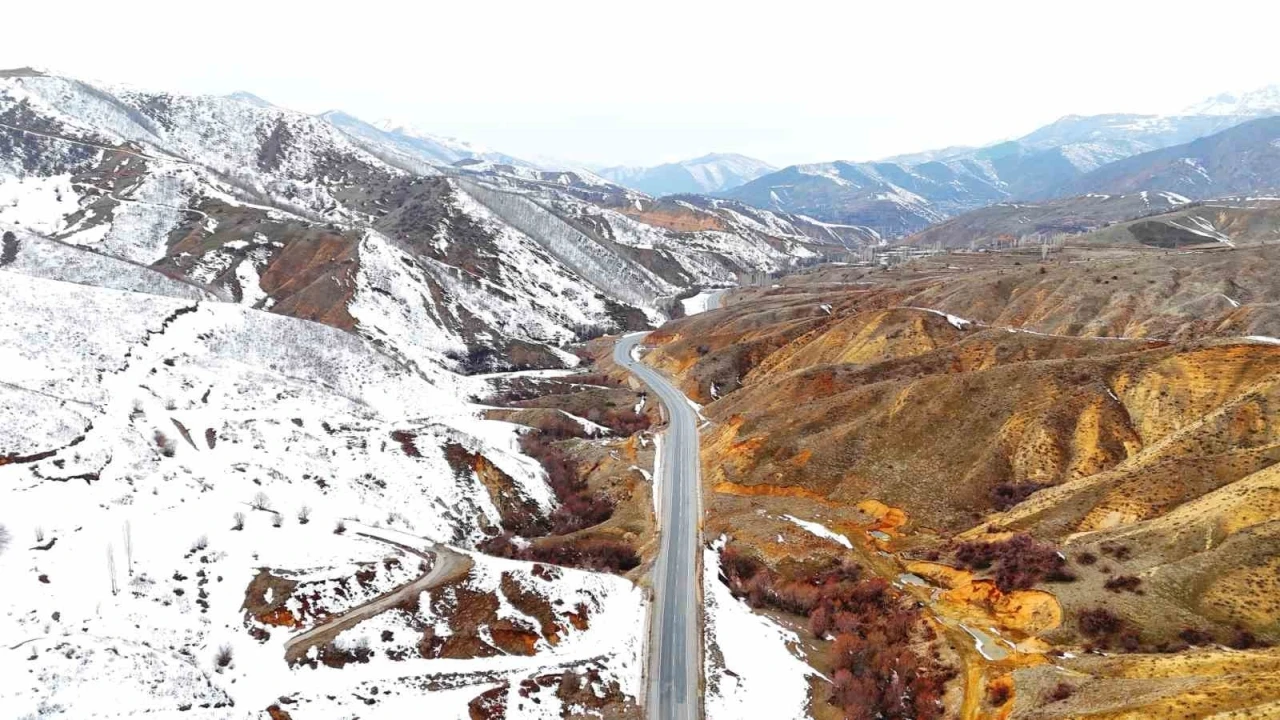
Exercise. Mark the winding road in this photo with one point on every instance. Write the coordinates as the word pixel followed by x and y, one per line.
pixel 675 640
pixel 448 565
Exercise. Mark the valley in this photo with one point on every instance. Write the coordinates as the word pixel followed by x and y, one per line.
pixel 304 415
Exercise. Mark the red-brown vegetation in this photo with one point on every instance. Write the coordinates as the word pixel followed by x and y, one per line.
pixel 878 673
pixel 1006 494
pixel 407 442
pixel 1019 562
pixel 1115 551
pixel 1195 636
pixel 1105 629
pixel 1123 583
pixel 578 507
pixel 594 553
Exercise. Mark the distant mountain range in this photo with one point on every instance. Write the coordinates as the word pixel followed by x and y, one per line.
pixel 707 174
pixel 1239 160
pixel 902 195
pixel 1237 168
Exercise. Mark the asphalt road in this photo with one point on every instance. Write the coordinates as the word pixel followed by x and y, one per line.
pixel 675 641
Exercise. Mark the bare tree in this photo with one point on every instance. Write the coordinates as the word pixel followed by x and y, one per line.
pixel 39 534
pixel 4 539
pixel 239 521
pixel 277 520
pixel 340 527
pixel 111 569
pixel 261 502
pixel 304 515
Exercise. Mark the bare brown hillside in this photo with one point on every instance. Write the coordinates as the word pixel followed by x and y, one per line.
pixel 980 423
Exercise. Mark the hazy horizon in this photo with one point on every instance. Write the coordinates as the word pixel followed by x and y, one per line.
pixel 599 85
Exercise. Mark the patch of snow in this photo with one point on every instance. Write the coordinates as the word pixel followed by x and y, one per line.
pixel 762 674
pixel 821 531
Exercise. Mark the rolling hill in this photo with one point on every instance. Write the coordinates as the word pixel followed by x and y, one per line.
pixel 1068 468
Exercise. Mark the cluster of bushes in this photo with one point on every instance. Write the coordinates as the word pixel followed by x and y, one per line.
pixel 1007 494
pixel 578 507
pixel 877 671
pixel 623 422
pixel 1115 551
pixel 1123 583
pixel 595 553
pixel 519 390
pixel 1106 630
pixel 1018 563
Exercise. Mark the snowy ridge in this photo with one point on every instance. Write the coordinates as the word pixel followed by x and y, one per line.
pixel 622 278
pixel 706 174
pixel 233 194
pixel 193 442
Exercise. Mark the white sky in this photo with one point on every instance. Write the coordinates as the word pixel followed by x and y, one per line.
pixel 653 81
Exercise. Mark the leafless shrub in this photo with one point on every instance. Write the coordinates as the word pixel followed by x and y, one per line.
pixel 304 515
pixel 4 539
pixel 261 502
pixel 200 543
pixel 223 657
pixel 39 535
pixel 239 521
pixel 340 527
pixel 277 520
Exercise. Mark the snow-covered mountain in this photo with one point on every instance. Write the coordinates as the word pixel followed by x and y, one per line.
pixel 1242 160
pixel 1258 103
pixel 907 193
pixel 706 174
pixel 235 455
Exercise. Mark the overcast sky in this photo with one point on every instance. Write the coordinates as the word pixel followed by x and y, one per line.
pixel 647 82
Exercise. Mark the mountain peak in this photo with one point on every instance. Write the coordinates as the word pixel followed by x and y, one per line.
pixel 250 98
pixel 1260 101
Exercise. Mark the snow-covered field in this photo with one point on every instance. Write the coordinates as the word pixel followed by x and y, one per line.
pixel 191 443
